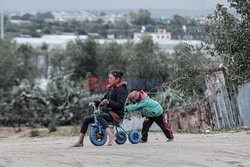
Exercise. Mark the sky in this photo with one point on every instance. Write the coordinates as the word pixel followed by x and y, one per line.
pixel 50 5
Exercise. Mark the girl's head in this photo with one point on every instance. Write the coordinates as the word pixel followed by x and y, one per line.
pixel 115 76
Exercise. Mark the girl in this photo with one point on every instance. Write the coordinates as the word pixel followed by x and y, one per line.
pixel 114 101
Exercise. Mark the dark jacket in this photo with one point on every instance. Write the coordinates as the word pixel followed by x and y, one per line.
pixel 117 98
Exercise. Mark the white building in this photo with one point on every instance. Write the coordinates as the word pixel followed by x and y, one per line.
pixel 53 41
pixel 77 16
pixel 160 35
pixel 112 18
pixel 60 41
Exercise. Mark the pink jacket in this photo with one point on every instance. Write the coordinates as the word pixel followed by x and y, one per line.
pixel 142 95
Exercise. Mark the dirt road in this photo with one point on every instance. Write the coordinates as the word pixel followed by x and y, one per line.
pixel 222 149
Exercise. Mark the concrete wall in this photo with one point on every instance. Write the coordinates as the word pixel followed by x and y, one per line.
pixel 193 118
pixel 244 103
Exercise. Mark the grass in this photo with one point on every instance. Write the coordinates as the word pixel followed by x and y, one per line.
pixel 232 130
pixel 61 131
pixel 74 131
pixel 214 131
pixel 2 137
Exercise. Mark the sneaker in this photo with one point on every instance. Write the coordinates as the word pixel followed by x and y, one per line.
pixel 169 140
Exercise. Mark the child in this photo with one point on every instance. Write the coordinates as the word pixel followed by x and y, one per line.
pixel 153 112
pixel 113 101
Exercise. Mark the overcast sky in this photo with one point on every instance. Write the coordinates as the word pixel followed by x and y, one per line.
pixel 13 5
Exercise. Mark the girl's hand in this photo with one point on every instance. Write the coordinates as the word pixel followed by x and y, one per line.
pixel 91 104
pixel 104 102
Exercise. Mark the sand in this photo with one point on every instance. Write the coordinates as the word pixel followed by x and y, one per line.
pixel 221 149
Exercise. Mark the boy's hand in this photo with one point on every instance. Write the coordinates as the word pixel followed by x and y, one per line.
pixel 125 110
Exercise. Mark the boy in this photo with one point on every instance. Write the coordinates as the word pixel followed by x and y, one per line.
pixel 153 112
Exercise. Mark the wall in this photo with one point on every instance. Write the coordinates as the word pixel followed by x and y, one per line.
pixel 244 103
pixel 193 118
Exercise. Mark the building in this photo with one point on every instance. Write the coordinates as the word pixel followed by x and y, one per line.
pixel 77 16
pixel 60 41
pixel 160 35
pixel 53 41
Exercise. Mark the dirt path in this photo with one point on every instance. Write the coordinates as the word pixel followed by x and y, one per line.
pixel 224 149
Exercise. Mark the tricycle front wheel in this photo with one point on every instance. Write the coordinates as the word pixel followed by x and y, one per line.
pixel 98 136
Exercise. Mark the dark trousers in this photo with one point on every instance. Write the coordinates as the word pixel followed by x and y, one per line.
pixel 104 118
pixel 161 122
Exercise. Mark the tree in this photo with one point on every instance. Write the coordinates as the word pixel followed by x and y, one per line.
pixel 179 20
pixel 57 61
pixel 176 26
pixel 17 64
pixel 26 69
pixel 8 64
pixel 142 17
pixel 82 58
pixel 27 16
pixel 188 68
pixel 48 15
pixel 146 62
pixel 231 40
pixel 110 56
pixel 102 14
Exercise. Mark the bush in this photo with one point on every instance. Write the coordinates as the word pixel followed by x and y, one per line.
pixel 64 102
pixel 52 127
pixel 34 133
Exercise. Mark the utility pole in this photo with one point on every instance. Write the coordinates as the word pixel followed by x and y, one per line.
pixel 2 25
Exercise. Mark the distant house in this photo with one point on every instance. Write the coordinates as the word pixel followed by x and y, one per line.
pixel 111 36
pixel 160 35
pixel 77 16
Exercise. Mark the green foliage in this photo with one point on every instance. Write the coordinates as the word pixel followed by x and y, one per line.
pixel 169 98
pixel 16 63
pixel 146 60
pixel 231 40
pixel 185 84
pixel 34 133
pixel 63 102
pixel 52 127
pixel 65 99
pixel 86 58
pixel 188 70
pixel 142 17
pixel 58 61
pixel 82 58
pixel 8 64
pixel 27 69
pixel 61 131
pixel 110 57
